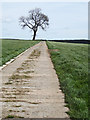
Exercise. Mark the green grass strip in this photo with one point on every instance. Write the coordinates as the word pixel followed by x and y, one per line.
pixel 71 65
pixel 12 48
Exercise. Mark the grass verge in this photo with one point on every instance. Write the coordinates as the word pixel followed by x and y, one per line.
pixel 12 48
pixel 13 116
pixel 71 65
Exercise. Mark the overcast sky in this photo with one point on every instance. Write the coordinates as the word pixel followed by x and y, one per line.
pixel 67 20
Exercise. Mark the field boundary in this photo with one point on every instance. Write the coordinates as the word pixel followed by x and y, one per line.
pixel 11 60
pixel 71 41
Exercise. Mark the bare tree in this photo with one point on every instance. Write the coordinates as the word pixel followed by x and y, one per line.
pixel 35 20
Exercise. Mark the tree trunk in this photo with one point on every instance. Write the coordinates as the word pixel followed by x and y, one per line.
pixel 34 35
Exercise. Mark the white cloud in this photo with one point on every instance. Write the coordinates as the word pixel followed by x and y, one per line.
pixel 6 20
pixel 45 1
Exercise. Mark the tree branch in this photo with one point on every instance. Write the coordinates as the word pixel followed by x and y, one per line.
pixel 35 19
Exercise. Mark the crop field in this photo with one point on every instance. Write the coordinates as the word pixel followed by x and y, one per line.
pixel 71 65
pixel 12 48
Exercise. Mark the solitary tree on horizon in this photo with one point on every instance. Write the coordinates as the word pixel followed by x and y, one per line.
pixel 34 20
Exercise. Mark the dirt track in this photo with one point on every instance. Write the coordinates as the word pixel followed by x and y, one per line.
pixel 30 87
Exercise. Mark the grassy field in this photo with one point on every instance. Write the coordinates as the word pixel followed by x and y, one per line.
pixel 71 64
pixel 12 48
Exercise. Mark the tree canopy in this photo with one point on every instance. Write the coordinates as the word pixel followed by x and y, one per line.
pixel 34 20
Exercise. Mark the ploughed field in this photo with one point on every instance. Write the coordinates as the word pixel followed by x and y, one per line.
pixel 71 65
pixel 12 48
